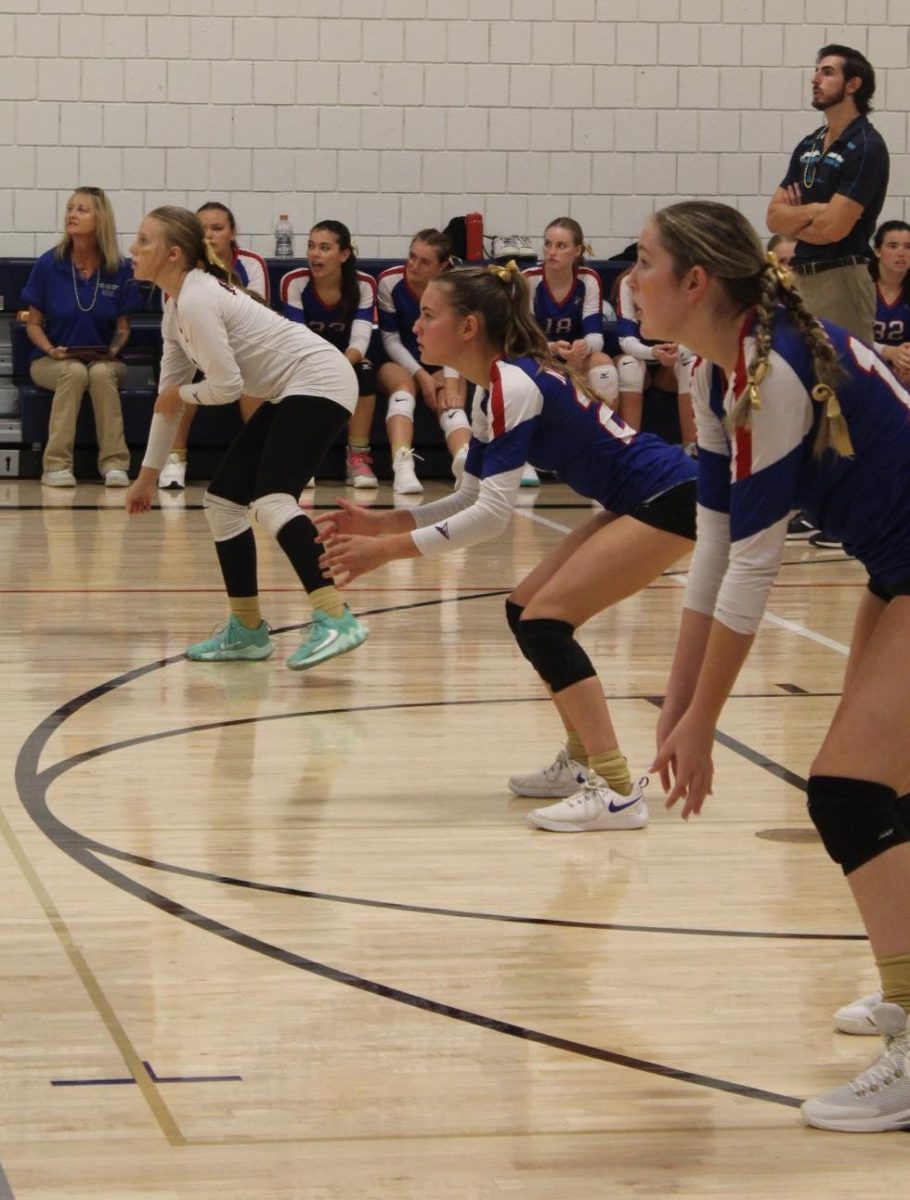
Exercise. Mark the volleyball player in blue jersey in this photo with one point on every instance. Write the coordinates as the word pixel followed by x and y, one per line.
pixel 532 409
pixel 405 376
pixel 335 300
pixel 793 412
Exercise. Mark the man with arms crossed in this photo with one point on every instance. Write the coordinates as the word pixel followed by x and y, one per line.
pixel 829 201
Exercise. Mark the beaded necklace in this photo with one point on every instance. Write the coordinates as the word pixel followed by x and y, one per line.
pixel 76 289
pixel 812 162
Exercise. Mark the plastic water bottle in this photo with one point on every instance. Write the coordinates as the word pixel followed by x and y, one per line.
pixel 284 238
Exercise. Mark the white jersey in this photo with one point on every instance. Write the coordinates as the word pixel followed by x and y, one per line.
pixel 244 348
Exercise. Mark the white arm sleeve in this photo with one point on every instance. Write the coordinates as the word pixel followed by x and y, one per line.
pixel 636 347
pixel 397 352
pixel 176 368
pixel 483 510
pixel 361 332
pixel 709 560
pixel 754 565
pixel 161 437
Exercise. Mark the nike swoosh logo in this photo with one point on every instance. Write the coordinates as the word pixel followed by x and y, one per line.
pixel 331 636
pixel 615 808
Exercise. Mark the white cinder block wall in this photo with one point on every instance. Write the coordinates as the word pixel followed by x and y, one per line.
pixel 395 114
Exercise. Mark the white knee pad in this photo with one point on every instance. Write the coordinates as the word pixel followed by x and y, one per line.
pixel 632 373
pixel 273 511
pixel 226 519
pixel 453 419
pixel 401 404
pixel 604 380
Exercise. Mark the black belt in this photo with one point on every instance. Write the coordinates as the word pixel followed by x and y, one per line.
pixel 828 264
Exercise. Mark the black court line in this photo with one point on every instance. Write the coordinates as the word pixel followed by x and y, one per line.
pixel 151 1074
pixel 32 786
pixel 6 1192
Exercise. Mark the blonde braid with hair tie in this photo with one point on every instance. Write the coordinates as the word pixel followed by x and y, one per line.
pixel 213 259
pixel 782 274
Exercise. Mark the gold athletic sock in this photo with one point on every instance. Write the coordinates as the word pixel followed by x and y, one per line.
pixel 181 454
pixel 358 444
pixel 246 610
pixel 614 768
pixel 895 973
pixel 396 446
pixel 329 600
pixel 575 748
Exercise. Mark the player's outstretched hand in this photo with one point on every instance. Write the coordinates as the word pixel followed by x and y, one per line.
pixel 347 518
pixel 139 497
pixel 685 765
pixel 348 556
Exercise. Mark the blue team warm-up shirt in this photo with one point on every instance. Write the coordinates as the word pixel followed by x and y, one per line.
pixel 301 301
pixel 50 289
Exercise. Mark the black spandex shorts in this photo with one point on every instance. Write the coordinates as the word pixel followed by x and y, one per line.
pixel 672 511
pixel 887 591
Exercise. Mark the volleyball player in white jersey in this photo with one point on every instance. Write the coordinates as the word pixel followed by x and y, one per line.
pixel 250 269
pixel 404 376
pixel 794 412
pixel 671 364
pixel 243 348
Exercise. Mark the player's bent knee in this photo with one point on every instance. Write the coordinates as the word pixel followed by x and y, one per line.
pixel 401 404
pixel 857 820
pixel 604 380
pixel 272 512
pixel 632 372
pixel 226 519
pixel 552 650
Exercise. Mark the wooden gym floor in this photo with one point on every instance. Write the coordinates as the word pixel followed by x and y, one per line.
pixel 271 936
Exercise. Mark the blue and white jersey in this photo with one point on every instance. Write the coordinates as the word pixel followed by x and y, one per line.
pixel 301 301
pixel 748 483
pixel 78 311
pixel 892 321
pixel 399 308
pixel 576 315
pixel 250 269
pixel 536 415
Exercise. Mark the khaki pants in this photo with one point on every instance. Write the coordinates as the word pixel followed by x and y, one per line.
pixel 844 295
pixel 69 379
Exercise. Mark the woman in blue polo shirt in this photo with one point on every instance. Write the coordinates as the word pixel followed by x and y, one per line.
pixel 79 296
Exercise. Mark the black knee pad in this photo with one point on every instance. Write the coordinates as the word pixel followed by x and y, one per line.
pixel 513 616
pixel 552 650
pixel 857 819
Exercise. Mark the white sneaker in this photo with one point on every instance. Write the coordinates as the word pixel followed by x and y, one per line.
pixel 879 1098
pixel 858 1017
pixel 173 475
pixel 529 477
pixel 62 478
pixel 512 245
pixel 116 479
pixel 560 779
pixel 458 463
pixel 406 481
pixel 594 808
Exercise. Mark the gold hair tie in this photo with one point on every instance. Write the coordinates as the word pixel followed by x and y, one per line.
pixel 758 377
pixel 212 258
pixel 823 394
pixel 783 275
pixel 505 273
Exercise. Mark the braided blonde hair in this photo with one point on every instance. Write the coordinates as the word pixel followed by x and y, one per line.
pixel 722 242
